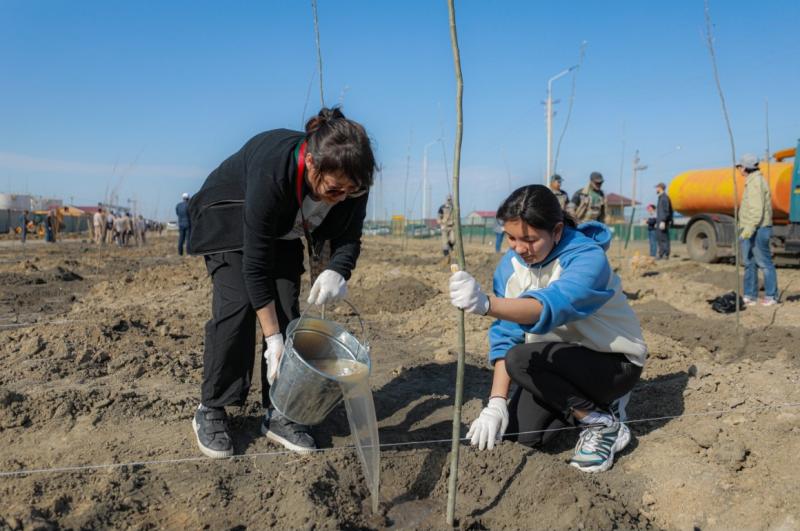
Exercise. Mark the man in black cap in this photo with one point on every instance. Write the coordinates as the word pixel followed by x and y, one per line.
pixel 663 221
pixel 561 195
pixel 590 201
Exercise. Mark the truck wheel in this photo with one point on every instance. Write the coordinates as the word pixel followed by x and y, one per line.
pixel 701 242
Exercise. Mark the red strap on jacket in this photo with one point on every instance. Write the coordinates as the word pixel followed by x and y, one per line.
pixel 301 169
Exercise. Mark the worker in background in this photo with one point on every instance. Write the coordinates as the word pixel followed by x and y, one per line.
pixel 59 223
pixel 184 223
pixel 590 201
pixel 24 219
pixel 652 235
pixel 755 231
pixel 99 226
pixel 139 230
pixel 49 224
pixel 447 224
pixel 561 195
pixel 663 221
pixel 109 227
pixel 563 333
pixel 499 235
pixel 119 230
pixel 248 220
pixel 129 220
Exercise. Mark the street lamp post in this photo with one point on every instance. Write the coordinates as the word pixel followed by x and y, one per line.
pixel 426 199
pixel 549 112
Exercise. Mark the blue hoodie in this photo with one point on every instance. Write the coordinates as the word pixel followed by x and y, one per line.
pixel 581 297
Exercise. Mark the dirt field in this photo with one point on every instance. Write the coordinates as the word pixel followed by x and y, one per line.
pixel 111 374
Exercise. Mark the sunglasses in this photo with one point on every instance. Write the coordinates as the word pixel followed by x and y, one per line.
pixel 334 192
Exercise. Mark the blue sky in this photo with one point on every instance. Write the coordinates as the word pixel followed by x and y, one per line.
pixel 146 98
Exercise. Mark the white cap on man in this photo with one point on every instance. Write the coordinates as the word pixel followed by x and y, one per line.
pixel 185 195
pixel 748 161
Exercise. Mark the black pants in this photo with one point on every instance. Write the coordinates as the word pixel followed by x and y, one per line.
pixel 556 378
pixel 230 346
pixel 663 243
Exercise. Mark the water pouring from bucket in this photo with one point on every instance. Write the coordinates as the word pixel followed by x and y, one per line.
pixel 323 364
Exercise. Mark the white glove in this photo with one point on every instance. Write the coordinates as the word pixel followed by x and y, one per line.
pixel 465 293
pixel 330 286
pixel 747 234
pixel 273 354
pixel 662 225
pixel 490 425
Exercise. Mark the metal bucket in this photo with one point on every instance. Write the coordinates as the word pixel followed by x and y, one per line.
pixel 302 393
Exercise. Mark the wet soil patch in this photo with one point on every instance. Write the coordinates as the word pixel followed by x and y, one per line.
pixel 396 295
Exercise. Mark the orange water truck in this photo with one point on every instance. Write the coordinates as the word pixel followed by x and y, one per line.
pixel 707 198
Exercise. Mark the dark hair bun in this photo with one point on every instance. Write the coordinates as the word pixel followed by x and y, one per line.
pixel 324 116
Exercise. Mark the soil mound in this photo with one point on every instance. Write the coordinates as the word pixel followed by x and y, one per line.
pixel 397 295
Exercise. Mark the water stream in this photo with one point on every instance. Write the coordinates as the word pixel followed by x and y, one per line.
pixel 353 377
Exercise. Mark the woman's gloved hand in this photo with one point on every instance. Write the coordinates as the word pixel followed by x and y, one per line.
pixel 662 225
pixel 330 286
pixel 465 293
pixel 272 353
pixel 490 425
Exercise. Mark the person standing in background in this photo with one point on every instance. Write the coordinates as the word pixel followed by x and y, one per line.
pixel 652 235
pixel 49 223
pixel 184 223
pixel 109 227
pixel 59 222
pixel 128 228
pixel 139 230
pixel 447 224
pixel 755 231
pixel 119 230
pixel 24 219
pixel 663 221
pixel 590 201
pixel 499 234
pixel 561 195
pixel 99 226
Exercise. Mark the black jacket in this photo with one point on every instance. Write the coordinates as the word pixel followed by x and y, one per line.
pixel 664 209
pixel 250 201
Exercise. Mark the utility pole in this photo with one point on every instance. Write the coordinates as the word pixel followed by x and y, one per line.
pixel 549 120
pixel 636 169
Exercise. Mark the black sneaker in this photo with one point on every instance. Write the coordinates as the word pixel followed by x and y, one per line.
pixel 292 436
pixel 211 428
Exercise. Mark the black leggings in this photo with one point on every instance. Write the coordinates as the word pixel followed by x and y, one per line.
pixel 556 378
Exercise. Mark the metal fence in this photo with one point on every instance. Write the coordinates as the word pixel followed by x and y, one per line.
pixel 11 219
pixel 484 231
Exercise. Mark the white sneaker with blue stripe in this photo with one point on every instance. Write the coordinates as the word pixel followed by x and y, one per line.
pixel 598 444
